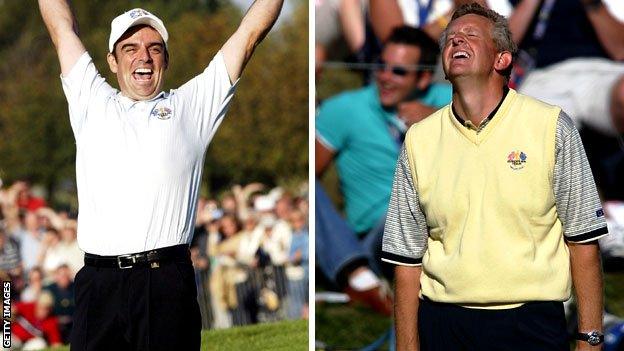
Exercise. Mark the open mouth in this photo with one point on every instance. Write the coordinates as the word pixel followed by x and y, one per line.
pixel 142 74
pixel 385 89
pixel 461 55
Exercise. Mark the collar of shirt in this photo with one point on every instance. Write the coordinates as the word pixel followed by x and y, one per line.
pixel 128 103
pixel 468 124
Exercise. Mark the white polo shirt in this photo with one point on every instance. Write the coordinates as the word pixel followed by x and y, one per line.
pixel 139 163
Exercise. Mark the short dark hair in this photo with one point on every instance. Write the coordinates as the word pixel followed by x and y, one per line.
pixel 429 49
pixel 114 53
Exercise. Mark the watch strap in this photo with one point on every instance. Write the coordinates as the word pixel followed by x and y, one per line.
pixel 593 338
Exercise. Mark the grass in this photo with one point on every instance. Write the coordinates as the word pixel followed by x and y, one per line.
pixel 343 327
pixel 280 336
pixel 614 293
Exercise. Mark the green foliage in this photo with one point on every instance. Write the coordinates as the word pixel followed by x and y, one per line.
pixel 263 138
pixel 614 293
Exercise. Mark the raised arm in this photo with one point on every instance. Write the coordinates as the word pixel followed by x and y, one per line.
pixel 256 23
pixel 385 15
pixel 609 30
pixel 521 17
pixel 352 21
pixel 63 28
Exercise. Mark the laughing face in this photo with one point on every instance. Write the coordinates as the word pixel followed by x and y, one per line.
pixel 398 79
pixel 140 61
pixel 469 49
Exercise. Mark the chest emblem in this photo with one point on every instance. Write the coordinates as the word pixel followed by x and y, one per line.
pixel 516 159
pixel 162 113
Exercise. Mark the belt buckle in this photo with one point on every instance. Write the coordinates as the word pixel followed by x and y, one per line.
pixel 122 265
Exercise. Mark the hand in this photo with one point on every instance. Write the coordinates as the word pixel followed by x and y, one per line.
pixel 254 262
pixel 253 187
pixel 213 227
pixel 19 185
pixel 413 111
pixel 296 258
pixel 48 239
pixel 45 212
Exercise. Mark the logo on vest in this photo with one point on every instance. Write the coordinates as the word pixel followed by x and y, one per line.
pixel 162 113
pixel 516 159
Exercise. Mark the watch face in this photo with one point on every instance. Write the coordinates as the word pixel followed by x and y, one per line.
pixel 593 338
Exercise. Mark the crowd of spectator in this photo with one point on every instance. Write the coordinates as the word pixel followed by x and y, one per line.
pixel 570 55
pixel 39 254
pixel 250 253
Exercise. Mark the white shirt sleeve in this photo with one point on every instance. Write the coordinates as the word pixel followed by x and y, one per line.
pixel 206 98
pixel 616 8
pixel 82 86
pixel 502 7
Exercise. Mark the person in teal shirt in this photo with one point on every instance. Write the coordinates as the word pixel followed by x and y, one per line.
pixel 362 131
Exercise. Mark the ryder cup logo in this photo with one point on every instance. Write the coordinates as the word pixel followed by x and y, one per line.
pixel 162 113
pixel 516 159
pixel 138 13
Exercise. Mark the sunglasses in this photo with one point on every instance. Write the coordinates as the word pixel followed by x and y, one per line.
pixel 400 71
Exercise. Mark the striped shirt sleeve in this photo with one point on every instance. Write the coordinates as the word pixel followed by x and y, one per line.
pixel 576 196
pixel 405 235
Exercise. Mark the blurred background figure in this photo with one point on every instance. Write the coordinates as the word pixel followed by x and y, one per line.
pixel 34 326
pixel 340 24
pixel 62 290
pixel 10 260
pixel 244 256
pixel 297 270
pixel 362 131
pixel 34 285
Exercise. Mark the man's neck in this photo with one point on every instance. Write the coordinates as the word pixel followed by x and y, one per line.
pixel 474 100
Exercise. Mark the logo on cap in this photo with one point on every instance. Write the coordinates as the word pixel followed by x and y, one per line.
pixel 162 113
pixel 138 13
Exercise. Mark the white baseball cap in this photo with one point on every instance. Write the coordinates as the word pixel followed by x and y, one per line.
pixel 132 18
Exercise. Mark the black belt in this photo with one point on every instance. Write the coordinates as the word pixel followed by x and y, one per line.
pixel 152 258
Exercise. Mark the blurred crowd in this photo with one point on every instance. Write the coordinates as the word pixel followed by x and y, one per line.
pixel 39 254
pixel 571 54
pixel 250 253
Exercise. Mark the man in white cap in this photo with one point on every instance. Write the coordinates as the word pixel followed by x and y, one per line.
pixel 138 166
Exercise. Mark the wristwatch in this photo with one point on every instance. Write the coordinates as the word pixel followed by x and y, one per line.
pixel 593 338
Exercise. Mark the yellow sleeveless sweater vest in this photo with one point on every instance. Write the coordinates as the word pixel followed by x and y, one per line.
pixel 495 240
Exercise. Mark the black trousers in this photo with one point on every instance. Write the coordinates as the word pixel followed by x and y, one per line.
pixel 533 326
pixel 139 308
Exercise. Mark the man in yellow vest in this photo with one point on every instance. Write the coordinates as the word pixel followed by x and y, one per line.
pixel 494 210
